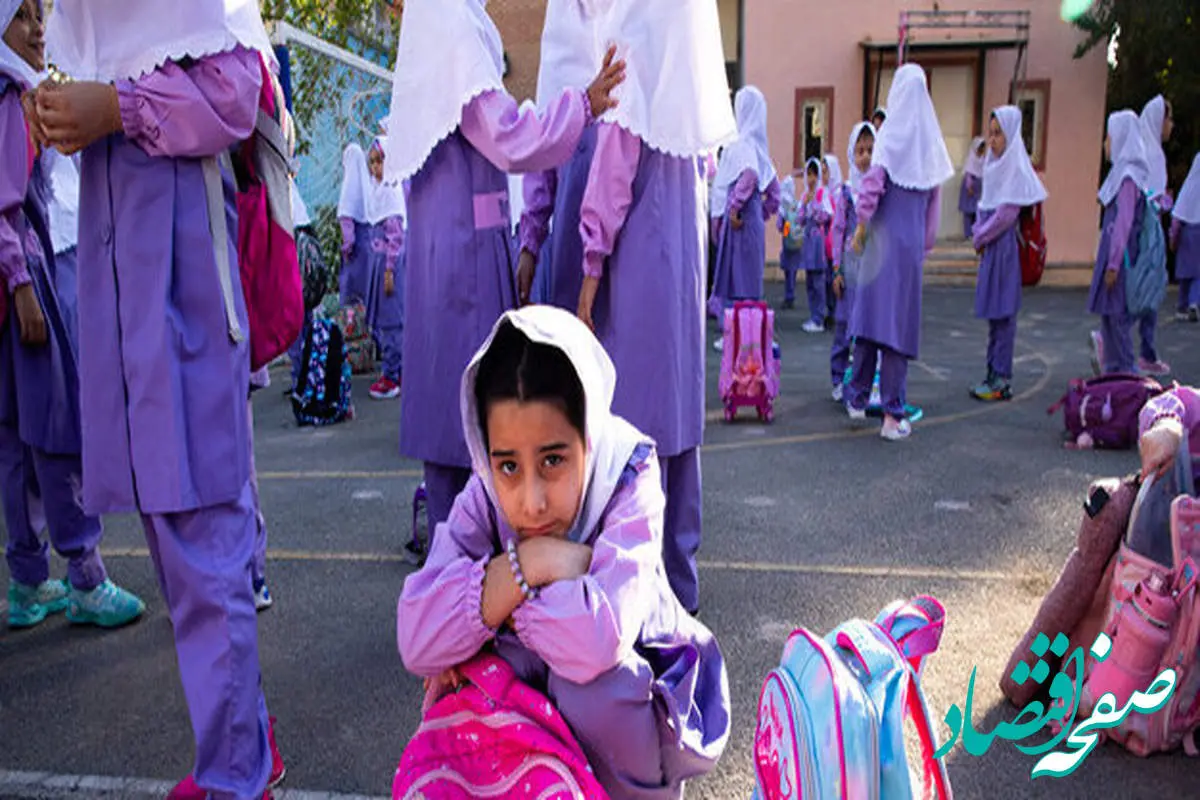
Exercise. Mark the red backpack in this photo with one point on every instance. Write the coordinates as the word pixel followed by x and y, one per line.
pixel 1031 239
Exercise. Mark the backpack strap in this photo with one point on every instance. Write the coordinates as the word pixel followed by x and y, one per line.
pixel 214 191
pixel 934 769
pixel 490 673
pixel 915 626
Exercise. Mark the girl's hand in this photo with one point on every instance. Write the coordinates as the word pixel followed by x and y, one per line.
pixel 860 238
pixel 612 75
pixel 1158 447
pixel 389 283
pixel 1110 278
pixel 36 131
pixel 29 314
pixel 437 688
pixel 839 286
pixel 587 298
pixel 546 560
pixel 526 266
pixel 73 115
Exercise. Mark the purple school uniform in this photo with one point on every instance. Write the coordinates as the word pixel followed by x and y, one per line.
pixel 459 272
pixel 886 317
pixel 385 314
pixel 558 193
pixel 845 220
pixel 1121 228
pixel 39 386
pixel 651 320
pixel 968 202
pixel 642 684
pixel 1186 238
pixel 164 388
pixel 998 285
pixel 354 280
pixel 813 259
pixel 789 262
pixel 742 254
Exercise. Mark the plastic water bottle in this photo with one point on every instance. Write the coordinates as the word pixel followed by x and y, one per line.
pixel 1140 633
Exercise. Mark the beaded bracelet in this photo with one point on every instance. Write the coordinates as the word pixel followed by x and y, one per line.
pixel 518 576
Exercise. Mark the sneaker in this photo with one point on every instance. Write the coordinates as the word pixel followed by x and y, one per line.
pixel 1183 316
pixel 838 393
pixel 106 606
pixel 1155 368
pixel 1193 313
pixel 719 345
pixel 384 389
pixel 812 326
pixel 856 414
pixel 262 596
pixel 1097 345
pixel 187 789
pixel 895 430
pixel 993 389
pixel 29 605
pixel 788 305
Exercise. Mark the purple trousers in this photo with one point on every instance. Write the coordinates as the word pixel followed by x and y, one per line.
pixel 41 491
pixel 814 284
pixel 682 524
pixel 202 559
pixel 442 485
pixel 893 378
pixel 1117 334
pixel 1189 293
pixel 1002 340
pixel 839 353
pixel 1148 328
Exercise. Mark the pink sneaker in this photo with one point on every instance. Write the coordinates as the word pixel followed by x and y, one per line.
pixel 1156 368
pixel 384 389
pixel 187 789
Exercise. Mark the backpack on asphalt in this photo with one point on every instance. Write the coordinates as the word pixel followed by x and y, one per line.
pixel 1103 412
pixel 322 395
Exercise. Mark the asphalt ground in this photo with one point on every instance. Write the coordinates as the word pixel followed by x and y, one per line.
pixel 808 521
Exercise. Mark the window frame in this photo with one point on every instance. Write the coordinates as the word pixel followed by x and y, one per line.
pixel 803 96
pixel 1038 92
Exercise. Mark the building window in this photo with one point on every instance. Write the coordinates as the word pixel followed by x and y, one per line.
pixel 1033 98
pixel 813 124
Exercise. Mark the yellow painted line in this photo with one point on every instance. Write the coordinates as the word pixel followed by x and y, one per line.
pixel 340 475
pixel 840 570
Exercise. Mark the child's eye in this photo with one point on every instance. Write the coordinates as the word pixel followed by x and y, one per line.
pixel 554 460
pixel 507 468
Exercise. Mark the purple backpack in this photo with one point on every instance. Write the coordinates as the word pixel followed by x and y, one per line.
pixel 1103 412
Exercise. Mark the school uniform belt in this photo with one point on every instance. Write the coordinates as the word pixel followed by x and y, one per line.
pixel 491 210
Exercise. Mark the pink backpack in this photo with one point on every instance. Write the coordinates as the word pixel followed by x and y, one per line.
pixel 749 362
pixel 495 737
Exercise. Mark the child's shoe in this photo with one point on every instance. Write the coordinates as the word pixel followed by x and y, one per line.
pixel 856 414
pixel 29 605
pixel 993 389
pixel 1183 315
pixel 838 393
pixel 788 305
pixel 384 389
pixel 895 430
pixel 719 345
pixel 1156 368
pixel 812 326
pixel 106 606
pixel 262 596
pixel 1097 345
pixel 187 789
pixel 1193 313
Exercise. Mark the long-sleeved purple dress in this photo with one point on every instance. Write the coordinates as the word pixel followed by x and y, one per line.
pixel 1120 236
pixel 998 285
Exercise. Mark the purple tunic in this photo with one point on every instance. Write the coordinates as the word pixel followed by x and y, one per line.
pixel 641 683
pixel 385 314
pixel 643 231
pixel 845 220
pixel 812 251
pixel 459 272
pixel 354 280
pixel 1187 255
pixel 742 254
pixel 902 229
pixel 560 193
pixel 39 386
pixel 998 285
pixel 1121 229
pixel 164 386
pixel 968 201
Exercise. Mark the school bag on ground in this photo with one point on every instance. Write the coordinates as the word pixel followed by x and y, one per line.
pixel 1103 412
pixel 750 363
pixel 322 395
pixel 831 717
pixel 1146 278
pixel 1031 244
pixel 314 272
pixel 360 347
pixel 494 737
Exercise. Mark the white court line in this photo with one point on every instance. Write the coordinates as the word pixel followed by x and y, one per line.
pixel 51 785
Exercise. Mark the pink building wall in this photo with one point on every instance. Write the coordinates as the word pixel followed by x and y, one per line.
pixel 791 44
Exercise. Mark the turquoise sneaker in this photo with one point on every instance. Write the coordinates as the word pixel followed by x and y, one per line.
pixel 106 606
pixel 29 605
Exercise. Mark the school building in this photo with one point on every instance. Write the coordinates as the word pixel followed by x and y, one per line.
pixel 824 66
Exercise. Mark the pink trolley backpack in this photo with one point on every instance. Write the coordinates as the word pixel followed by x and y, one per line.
pixel 494 737
pixel 750 365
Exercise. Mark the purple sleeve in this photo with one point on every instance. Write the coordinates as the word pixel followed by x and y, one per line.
pixel 14 182
pixel 539 190
pixel 347 226
pixel 195 112
pixel 1181 403
pixel 392 241
pixel 743 189
pixel 771 199
pixel 987 232
pixel 933 216
pixel 1122 226
pixel 525 141
pixel 439 617
pixel 584 627
pixel 608 195
pixel 838 232
pixel 870 190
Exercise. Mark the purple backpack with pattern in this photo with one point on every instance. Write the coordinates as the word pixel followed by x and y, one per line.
pixel 1103 412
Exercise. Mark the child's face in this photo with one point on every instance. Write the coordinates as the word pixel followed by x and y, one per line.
pixel 863 150
pixel 996 138
pixel 825 178
pixel 24 34
pixel 375 164
pixel 538 461
pixel 877 120
pixel 811 179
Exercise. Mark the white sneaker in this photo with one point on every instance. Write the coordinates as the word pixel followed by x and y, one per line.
pixel 719 345
pixel 1097 347
pixel 812 327
pixel 838 392
pixel 895 430
pixel 856 413
pixel 262 597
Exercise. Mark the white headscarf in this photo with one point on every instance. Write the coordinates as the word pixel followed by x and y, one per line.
pixel 10 62
pixel 610 440
pixel 749 152
pixel 974 163
pixel 833 169
pixel 1010 179
pixel 909 144
pixel 109 40
pixel 384 198
pixel 300 216
pixel 1153 116
pixel 450 53
pixel 355 179
pixel 571 49
pixel 1128 155
pixel 1187 207
pixel 675 96
pixel 856 174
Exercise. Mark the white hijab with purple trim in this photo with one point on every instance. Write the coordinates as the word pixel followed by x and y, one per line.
pixel 1010 179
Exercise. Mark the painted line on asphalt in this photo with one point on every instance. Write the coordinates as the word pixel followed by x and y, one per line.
pixel 340 475
pixel 51 785
pixel 844 570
